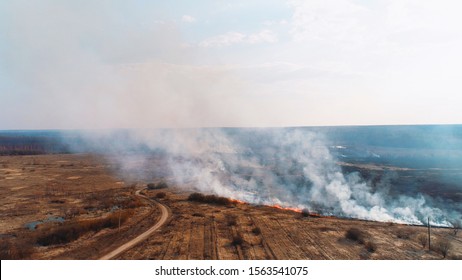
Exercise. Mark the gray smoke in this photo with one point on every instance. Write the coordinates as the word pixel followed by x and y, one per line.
pixel 292 168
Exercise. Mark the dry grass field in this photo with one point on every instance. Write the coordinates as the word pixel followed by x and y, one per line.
pixel 71 207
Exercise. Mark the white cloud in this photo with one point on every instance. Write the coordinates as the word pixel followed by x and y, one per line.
pixel 188 19
pixel 275 22
pixel 327 20
pixel 231 38
pixel 261 37
pixel 222 40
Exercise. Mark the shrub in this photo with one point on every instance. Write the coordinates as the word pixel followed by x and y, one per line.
pixel 210 199
pixel 222 201
pixel 256 231
pixel 161 195
pixel 422 238
pixel 456 225
pixel 355 234
pixel 237 240
pixel 196 197
pixel 442 246
pixel 162 185
pixel 17 250
pixel 305 212
pixel 370 246
pixel 404 233
pixel 232 220
pixel 158 186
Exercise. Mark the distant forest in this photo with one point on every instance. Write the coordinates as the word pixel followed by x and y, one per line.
pixel 30 144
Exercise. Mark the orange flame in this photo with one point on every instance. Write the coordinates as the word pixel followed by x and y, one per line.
pixel 277 206
pixel 237 201
pixel 298 210
pixel 286 208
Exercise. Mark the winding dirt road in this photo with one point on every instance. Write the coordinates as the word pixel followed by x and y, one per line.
pixel 122 248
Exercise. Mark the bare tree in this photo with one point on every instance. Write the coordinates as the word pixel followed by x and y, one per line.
pixel 442 246
pixel 422 238
pixel 456 225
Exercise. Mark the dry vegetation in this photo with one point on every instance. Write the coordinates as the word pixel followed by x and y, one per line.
pixel 65 206
pixel 210 199
pixel 207 230
pixel 68 232
pixel 79 189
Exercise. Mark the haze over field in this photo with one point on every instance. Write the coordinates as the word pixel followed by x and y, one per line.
pixel 195 64
pixel 295 168
pixel 106 64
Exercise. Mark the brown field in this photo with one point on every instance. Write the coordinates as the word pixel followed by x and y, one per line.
pixel 81 190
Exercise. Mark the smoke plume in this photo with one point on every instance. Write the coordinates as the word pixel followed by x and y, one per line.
pixel 290 167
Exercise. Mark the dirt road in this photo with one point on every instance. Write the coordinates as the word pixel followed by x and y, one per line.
pixel 164 217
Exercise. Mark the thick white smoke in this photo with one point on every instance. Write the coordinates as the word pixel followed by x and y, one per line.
pixel 289 167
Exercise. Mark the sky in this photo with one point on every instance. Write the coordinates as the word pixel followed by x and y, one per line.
pixel 147 64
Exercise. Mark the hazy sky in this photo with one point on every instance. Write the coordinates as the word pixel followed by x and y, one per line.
pixel 112 64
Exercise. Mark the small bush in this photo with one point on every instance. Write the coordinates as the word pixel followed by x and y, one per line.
pixel 198 197
pixel 210 199
pixel 442 246
pixel 256 231
pixel 158 186
pixel 404 233
pixel 161 195
pixel 237 240
pixel 422 238
pixel 162 185
pixel 15 250
pixel 456 225
pixel 355 234
pixel 222 201
pixel 305 212
pixel 370 246
pixel 232 220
